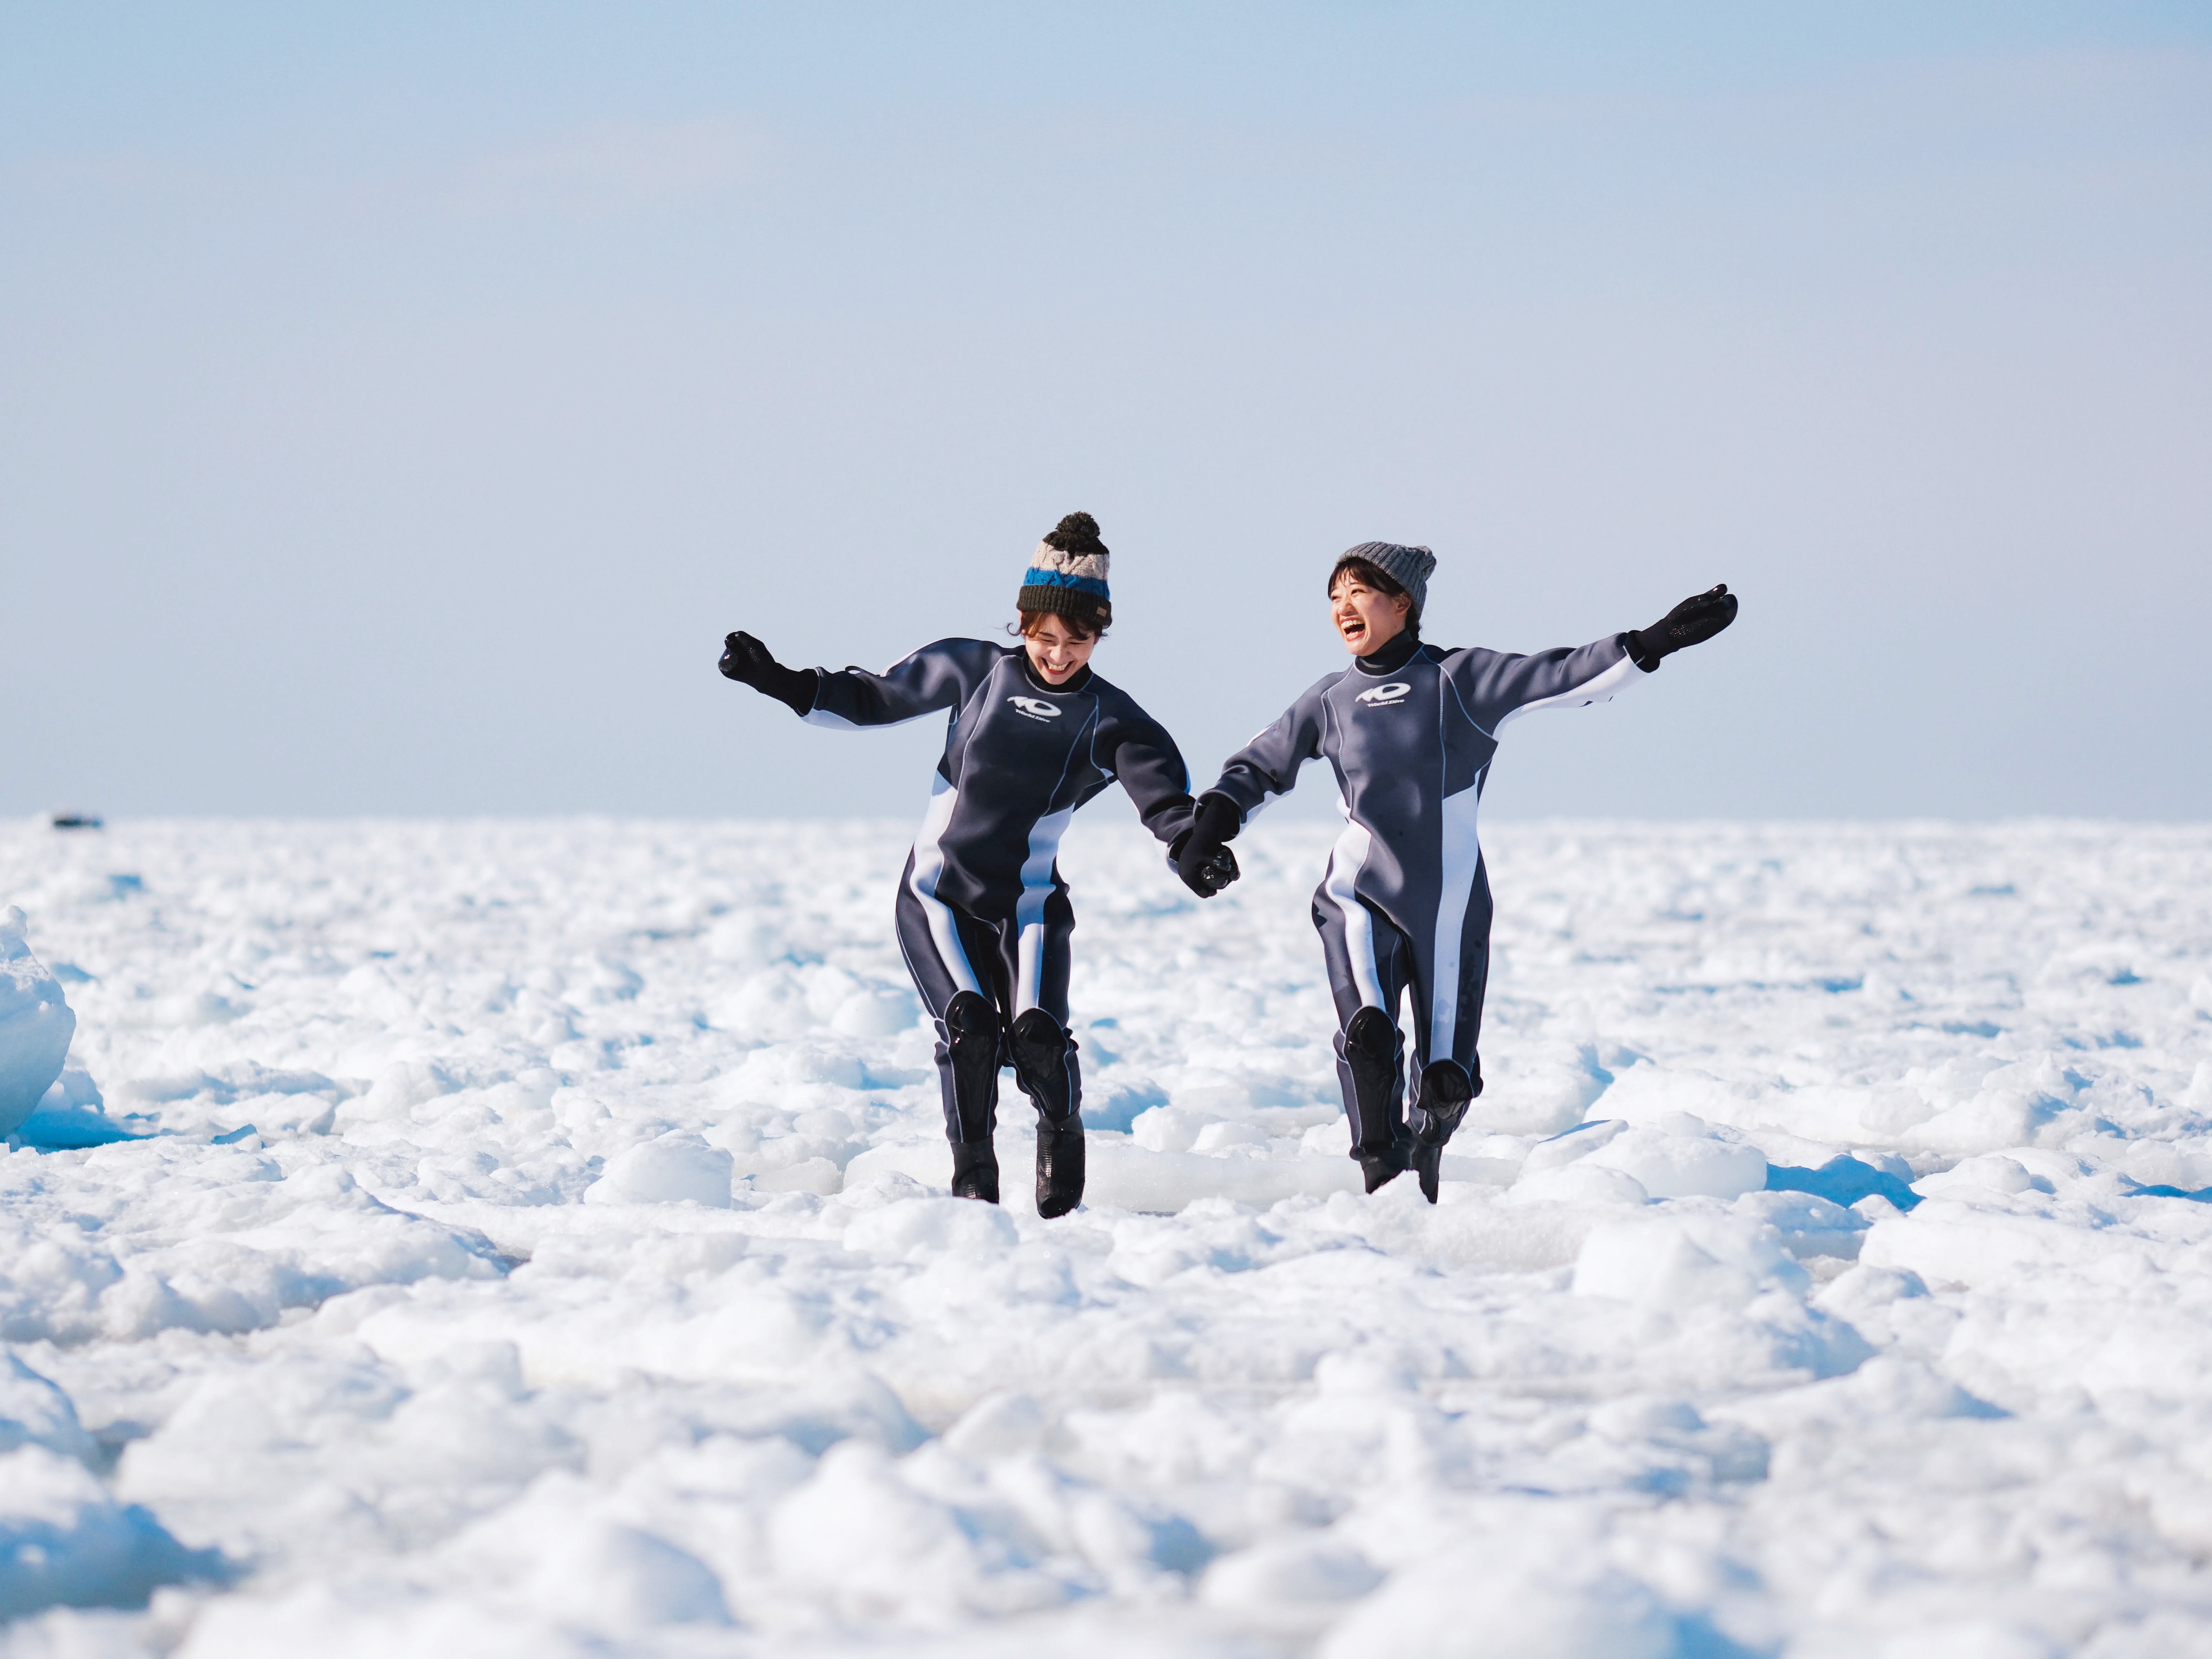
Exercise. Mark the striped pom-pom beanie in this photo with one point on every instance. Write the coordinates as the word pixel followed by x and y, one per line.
pixel 1409 567
pixel 1068 574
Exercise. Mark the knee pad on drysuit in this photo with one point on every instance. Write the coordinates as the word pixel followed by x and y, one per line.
pixel 1044 1062
pixel 1371 1051
pixel 971 1048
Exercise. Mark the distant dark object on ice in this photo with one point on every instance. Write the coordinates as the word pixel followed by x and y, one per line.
pixel 76 821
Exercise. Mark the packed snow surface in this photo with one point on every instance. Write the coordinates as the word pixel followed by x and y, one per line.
pixel 507 1238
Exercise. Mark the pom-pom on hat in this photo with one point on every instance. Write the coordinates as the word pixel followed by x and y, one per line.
pixel 1409 567
pixel 1068 574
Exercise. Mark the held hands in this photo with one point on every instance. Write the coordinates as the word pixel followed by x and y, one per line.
pixel 747 661
pixel 1207 871
pixel 1690 622
pixel 1201 859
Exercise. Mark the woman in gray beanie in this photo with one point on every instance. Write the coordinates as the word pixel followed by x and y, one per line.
pixel 1409 729
pixel 982 914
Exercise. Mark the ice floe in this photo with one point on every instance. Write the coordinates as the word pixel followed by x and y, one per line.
pixel 531 1238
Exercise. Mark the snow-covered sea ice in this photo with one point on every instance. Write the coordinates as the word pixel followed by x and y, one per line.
pixel 531 1238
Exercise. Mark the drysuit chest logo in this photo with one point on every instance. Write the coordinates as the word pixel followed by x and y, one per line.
pixel 1385 696
pixel 1035 707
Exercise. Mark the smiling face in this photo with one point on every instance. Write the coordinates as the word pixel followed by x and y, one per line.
pixel 1366 618
pixel 1056 651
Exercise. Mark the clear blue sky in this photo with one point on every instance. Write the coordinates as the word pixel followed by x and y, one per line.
pixel 397 404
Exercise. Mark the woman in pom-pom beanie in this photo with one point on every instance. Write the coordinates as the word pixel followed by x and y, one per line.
pixel 983 916
pixel 1409 729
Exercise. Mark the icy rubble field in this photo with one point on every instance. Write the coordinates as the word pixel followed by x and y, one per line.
pixel 533 1241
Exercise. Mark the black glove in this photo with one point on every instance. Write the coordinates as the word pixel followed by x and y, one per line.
pixel 1204 863
pixel 1690 622
pixel 746 660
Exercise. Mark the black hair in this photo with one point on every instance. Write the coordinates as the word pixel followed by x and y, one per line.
pixel 1375 576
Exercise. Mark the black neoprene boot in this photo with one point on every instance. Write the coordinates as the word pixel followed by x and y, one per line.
pixel 1044 1060
pixel 971 1043
pixel 975 1170
pixel 1370 1050
pixel 1446 1093
pixel 1058 1164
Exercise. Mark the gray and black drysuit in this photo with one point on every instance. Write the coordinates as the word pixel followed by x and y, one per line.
pixel 1410 732
pixel 981 906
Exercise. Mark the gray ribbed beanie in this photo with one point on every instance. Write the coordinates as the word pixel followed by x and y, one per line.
pixel 1408 567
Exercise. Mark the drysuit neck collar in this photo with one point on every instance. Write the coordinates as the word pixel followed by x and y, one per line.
pixel 1392 657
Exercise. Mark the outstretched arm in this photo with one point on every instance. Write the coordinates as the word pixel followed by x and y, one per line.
pixel 937 677
pixel 1499 687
